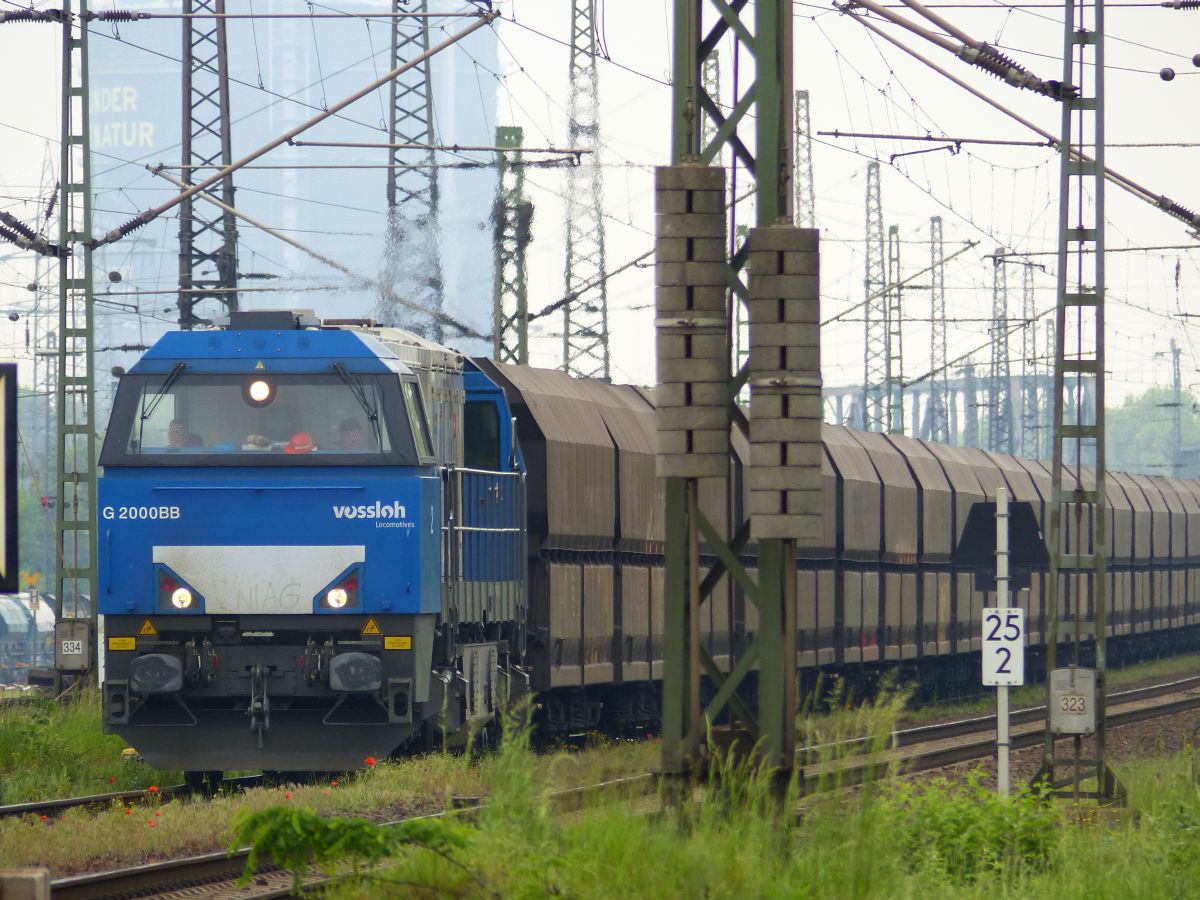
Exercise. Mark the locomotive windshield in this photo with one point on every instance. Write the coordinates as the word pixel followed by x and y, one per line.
pixel 186 418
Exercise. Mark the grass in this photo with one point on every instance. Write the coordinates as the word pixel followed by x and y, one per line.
pixel 83 840
pixel 50 749
pixel 896 839
pixel 873 842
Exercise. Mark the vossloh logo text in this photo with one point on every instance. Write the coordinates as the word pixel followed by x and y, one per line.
pixel 377 510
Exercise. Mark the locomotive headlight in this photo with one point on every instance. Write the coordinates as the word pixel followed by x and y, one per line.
pixel 342 594
pixel 259 391
pixel 176 595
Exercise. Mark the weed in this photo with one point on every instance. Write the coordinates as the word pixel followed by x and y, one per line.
pixel 50 749
pixel 963 829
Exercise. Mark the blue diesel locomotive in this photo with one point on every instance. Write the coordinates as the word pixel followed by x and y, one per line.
pixel 311 547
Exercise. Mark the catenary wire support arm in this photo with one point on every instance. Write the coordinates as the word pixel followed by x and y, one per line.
pixel 977 53
pixel 447 148
pixel 122 15
pixel 149 215
pixel 1159 201
pixel 907 281
pixel 358 278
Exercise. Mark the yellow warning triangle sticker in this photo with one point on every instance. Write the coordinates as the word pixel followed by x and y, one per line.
pixel 148 629
pixel 371 627
pixel 259 365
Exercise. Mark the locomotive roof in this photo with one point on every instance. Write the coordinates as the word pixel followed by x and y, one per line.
pixel 245 350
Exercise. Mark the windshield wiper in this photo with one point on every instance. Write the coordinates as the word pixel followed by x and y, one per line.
pixel 360 394
pixel 148 410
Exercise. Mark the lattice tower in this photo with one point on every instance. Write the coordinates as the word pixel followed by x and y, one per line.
pixel 512 218
pixel 805 201
pixel 207 234
pixel 412 254
pixel 894 386
pixel 999 396
pixel 875 312
pixel 939 387
pixel 585 315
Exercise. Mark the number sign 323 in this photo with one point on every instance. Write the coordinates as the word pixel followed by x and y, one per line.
pixel 1003 646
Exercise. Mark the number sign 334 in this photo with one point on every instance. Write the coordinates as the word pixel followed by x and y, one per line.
pixel 1003 646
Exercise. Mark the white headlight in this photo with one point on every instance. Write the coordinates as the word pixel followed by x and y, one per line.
pixel 259 391
pixel 337 597
pixel 181 598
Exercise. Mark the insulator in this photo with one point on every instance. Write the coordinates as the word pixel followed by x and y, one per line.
pixel 1179 211
pixel 37 243
pixel 18 226
pixel 996 63
pixel 32 15
pixel 117 15
pixel 129 227
pixel 987 50
pixel 1182 4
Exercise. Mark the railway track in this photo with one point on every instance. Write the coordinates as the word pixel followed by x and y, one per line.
pixel 213 875
pixel 929 747
pixel 50 808
pixel 922 734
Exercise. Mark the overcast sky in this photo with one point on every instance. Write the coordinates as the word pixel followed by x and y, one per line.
pixel 999 196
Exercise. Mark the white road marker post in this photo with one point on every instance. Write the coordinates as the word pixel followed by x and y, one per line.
pixel 1002 739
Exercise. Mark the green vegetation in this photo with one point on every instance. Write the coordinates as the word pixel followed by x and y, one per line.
pixel 1139 432
pixel 733 839
pixel 85 840
pixel 50 749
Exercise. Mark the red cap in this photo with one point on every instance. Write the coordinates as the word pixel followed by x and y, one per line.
pixel 300 443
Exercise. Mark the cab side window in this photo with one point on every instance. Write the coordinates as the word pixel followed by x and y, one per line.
pixel 481 435
pixel 416 415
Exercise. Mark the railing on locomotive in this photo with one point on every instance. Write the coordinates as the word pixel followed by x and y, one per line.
pixel 483 542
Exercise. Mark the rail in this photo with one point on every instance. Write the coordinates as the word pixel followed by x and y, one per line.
pixel 217 871
pixel 907 737
pixel 50 808
pixel 845 768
